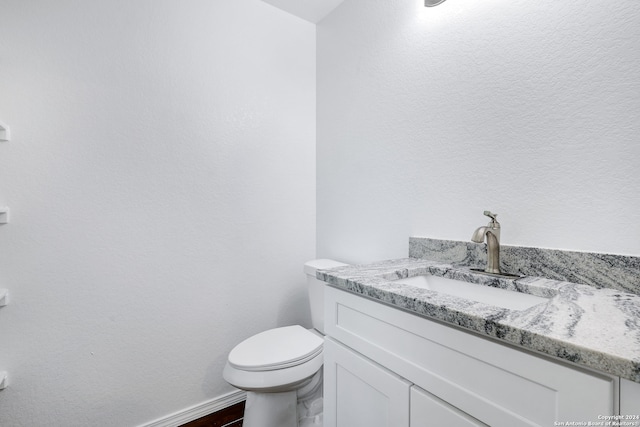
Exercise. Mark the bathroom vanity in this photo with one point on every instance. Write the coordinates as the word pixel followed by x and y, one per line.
pixel 398 354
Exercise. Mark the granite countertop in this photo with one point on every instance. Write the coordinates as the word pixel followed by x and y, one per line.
pixel 596 328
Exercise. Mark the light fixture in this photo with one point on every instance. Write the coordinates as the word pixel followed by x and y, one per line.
pixel 430 3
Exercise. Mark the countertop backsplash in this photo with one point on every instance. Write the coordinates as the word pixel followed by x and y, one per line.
pixel 599 270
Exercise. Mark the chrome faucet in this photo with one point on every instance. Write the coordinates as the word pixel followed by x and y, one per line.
pixel 492 232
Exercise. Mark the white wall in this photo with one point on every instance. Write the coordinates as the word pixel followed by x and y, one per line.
pixel 428 116
pixel 161 180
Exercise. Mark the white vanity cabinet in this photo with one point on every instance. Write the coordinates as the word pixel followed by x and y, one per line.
pixel 442 375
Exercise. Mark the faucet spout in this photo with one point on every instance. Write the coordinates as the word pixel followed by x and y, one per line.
pixel 492 233
pixel 478 235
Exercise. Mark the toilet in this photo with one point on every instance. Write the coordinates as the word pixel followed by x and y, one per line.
pixel 281 368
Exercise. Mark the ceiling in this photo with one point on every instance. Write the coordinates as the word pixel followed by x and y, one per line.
pixel 310 10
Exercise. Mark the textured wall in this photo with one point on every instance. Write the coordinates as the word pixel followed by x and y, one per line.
pixel 161 181
pixel 428 116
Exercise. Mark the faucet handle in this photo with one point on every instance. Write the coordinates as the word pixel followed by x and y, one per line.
pixel 490 215
pixel 493 224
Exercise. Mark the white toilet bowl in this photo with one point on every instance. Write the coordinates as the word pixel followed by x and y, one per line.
pixel 281 369
pixel 273 366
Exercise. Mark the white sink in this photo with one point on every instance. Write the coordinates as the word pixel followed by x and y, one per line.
pixel 470 291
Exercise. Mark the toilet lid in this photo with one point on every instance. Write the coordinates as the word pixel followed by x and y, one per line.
pixel 276 349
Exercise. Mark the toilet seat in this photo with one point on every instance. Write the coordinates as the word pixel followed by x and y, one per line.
pixel 276 360
pixel 278 348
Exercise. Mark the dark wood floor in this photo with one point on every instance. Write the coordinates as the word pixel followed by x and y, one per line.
pixel 227 417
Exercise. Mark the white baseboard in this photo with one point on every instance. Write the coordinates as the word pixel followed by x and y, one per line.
pixel 198 411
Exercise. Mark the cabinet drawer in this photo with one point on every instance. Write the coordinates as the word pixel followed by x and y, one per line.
pixel 496 383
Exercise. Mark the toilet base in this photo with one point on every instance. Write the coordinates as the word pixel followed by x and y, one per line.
pixel 300 407
pixel 270 409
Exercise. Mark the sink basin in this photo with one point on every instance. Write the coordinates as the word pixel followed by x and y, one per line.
pixel 492 296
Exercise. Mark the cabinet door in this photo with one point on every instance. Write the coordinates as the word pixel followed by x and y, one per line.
pixel 359 392
pixel 428 411
pixel 630 400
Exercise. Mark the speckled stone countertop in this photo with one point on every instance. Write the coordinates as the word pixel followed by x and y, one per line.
pixel 596 328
